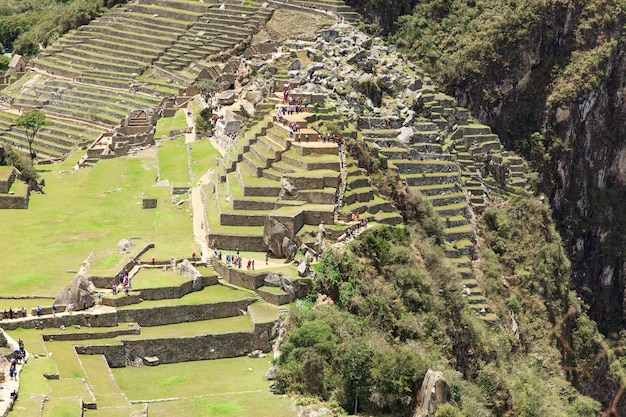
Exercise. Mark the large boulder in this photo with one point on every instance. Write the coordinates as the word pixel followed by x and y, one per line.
pixel 274 233
pixel 289 248
pixel 80 292
pixel 226 98
pixel 254 97
pixel 186 269
pixel 297 288
pixel 124 245
pixel 329 35
pixel 295 65
pixel 434 391
pixel 273 279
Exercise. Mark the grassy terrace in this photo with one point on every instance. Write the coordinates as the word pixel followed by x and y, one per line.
pixel 204 157
pixel 264 312
pixel 64 233
pixel 196 328
pixel 101 382
pixel 173 162
pixel 209 295
pixel 155 278
pixel 167 124
pixel 229 387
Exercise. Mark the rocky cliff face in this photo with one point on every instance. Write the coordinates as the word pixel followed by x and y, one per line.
pixel 555 93
pixel 583 166
pixel 382 14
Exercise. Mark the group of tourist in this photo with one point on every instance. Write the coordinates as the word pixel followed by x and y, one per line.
pixel 332 138
pixel 354 229
pixel 16 358
pixel 125 283
pixel 14 313
pixel 236 260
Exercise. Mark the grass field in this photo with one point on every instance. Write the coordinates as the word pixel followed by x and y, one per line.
pixel 167 124
pixel 204 157
pixel 83 215
pixel 173 162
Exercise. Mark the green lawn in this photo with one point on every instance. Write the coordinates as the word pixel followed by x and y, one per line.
pixel 101 381
pixel 250 404
pixel 155 278
pixel 188 379
pixel 173 162
pixel 204 157
pixel 82 216
pixel 167 124
pixel 212 294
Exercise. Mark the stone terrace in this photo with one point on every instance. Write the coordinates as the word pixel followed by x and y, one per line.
pixel 166 318
pixel 54 140
pixel 221 28
pixel 87 74
pixel 454 172
pixel 292 179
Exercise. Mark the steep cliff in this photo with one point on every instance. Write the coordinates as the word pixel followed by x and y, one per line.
pixel 549 78
pixel 382 14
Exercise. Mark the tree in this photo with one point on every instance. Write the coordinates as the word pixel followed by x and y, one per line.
pixel 207 87
pixel 30 122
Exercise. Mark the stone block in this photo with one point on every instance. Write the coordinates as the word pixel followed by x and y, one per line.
pixel 149 203
pixel 151 361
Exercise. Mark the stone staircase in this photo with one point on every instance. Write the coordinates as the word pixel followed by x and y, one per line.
pixel 454 172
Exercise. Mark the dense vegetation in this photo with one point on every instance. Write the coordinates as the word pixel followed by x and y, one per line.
pixel 479 50
pixel 27 24
pixel 398 311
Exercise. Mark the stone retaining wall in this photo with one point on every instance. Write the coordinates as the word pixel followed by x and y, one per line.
pixel 159 316
pixel 186 349
pixel 8 201
pixel 240 277
pixel 105 319
pixel 5 183
pixel 93 335
pixel 162 293
pixel 232 242
pixel 114 354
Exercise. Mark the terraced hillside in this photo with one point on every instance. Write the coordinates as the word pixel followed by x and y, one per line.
pixel 128 59
pixel 438 150
pixel 298 179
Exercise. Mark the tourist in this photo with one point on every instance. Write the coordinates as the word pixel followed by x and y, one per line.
pixel 114 289
pixel 249 264
pixel 54 309
pixel 253 264
pixel 127 289
pixel 153 261
pixel 39 310
pixel 70 307
pixel 267 257
pixel 24 312
pixel 193 256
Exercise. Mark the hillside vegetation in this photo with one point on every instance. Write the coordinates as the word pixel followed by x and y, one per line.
pixel 548 77
pixel 397 313
pixel 27 24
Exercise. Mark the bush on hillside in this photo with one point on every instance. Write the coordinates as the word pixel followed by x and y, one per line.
pixel 21 162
